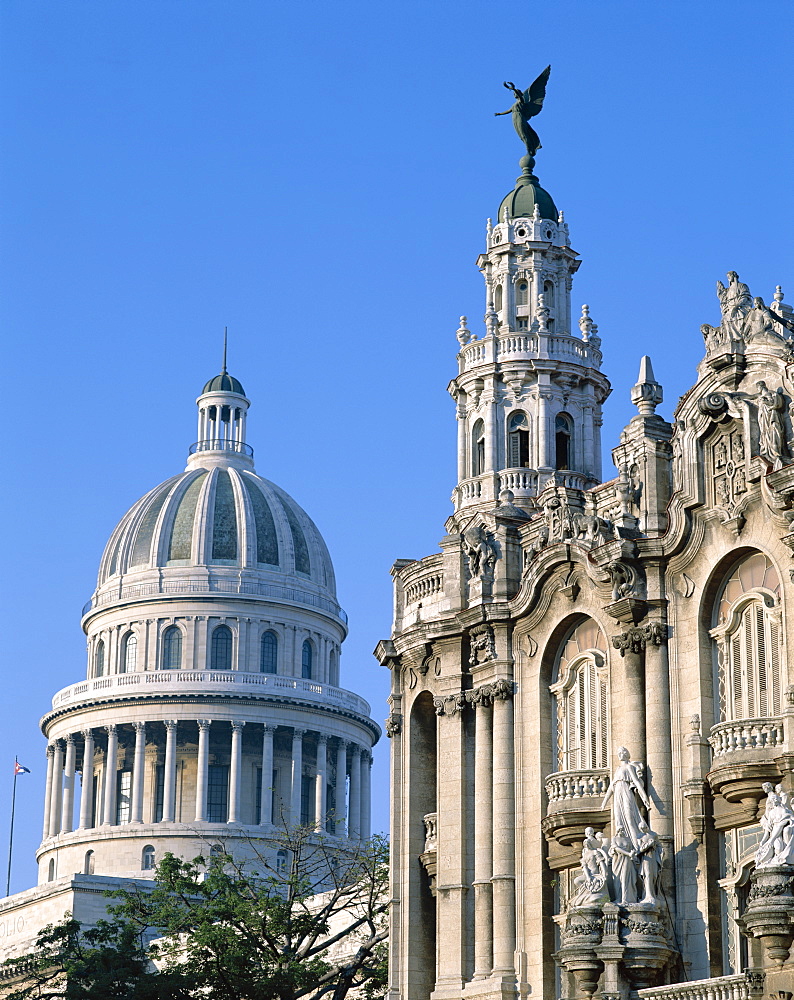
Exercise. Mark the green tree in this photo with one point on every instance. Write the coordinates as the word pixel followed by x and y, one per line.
pixel 307 920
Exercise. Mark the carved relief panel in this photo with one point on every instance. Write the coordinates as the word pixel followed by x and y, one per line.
pixel 728 468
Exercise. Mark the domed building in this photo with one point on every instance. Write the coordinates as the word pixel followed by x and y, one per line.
pixel 211 709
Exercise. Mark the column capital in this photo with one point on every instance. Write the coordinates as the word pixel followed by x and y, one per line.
pixel 139 727
pixel 635 639
pixel 322 738
pixel 112 729
pixel 356 749
pixel 237 727
pixel 204 725
pixel 269 730
pixel 88 734
pixel 342 744
pixel 298 734
pixel 70 740
pixel 50 749
pixel 170 725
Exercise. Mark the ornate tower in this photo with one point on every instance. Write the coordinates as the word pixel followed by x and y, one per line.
pixel 529 392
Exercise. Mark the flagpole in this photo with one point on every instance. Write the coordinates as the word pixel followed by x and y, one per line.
pixel 11 835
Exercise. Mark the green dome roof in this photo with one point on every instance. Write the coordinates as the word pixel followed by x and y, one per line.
pixel 526 195
pixel 224 383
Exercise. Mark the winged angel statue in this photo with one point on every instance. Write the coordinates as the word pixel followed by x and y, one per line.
pixel 528 104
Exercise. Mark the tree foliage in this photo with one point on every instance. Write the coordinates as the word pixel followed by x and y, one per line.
pixel 305 921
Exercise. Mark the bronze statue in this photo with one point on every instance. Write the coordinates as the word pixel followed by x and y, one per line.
pixel 528 104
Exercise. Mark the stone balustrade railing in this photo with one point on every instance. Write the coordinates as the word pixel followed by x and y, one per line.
pixel 522 482
pixel 746 986
pixel 566 786
pixel 424 580
pixel 746 734
pixel 515 344
pixel 237 682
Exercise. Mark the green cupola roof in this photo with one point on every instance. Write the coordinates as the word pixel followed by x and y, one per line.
pixel 521 202
pixel 224 383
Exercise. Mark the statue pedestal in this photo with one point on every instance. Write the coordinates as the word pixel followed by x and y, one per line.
pixel 769 912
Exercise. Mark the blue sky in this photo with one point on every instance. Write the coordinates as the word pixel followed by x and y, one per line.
pixel 317 178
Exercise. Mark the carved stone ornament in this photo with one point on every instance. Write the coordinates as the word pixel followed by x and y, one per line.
pixel 625 579
pixel 746 321
pixel 635 639
pixel 394 724
pixel 481 550
pixel 564 524
pixel 729 470
pixel 483 645
pixel 482 696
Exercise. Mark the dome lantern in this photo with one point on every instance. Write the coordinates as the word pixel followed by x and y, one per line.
pixel 222 408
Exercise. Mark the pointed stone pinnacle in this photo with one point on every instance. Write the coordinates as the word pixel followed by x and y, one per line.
pixel 646 370
pixel 647 393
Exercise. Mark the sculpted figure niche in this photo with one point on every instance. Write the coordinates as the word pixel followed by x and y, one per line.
pixel 771 427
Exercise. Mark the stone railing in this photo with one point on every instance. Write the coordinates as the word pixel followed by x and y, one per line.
pixel 745 734
pixel 473 353
pixel 746 986
pixel 522 482
pixel 517 343
pixel 567 786
pixel 160 683
pixel 424 580
pixel 174 588
pixel 529 344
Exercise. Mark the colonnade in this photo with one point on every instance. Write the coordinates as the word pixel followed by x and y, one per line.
pixel 347 815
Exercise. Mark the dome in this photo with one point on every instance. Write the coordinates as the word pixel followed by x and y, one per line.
pixel 521 201
pixel 222 519
pixel 224 383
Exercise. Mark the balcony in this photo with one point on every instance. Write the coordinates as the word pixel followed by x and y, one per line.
pixel 744 757
pixel 234 683
pixel 575 799
pixel 746 986
pixel 222 444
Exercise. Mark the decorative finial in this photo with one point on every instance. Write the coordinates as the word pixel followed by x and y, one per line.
pixel 536 213
pixel 543 314
pixel 778 296
pixel 561 218
pixel 488 228
pixel 585 323
pixel 491 319
pixel 225 336
pixel 463 333
pixel 647 393
pixel 528 103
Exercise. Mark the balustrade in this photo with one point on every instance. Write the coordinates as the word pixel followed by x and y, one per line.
pixel 746 986
pixel 746 734
pixel 569 786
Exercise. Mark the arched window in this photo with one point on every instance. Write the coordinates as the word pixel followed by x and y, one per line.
pixel 563 426
pixel 518 441
pixel 581 699
pixel 548 295
pixel 147 858
pixel 268 653
pixel 221 651
pixel 51 870
pixel 88 863
pixel 333 668
pixel 307 656
pixel 748 639
pixel 497 298
pixel 281 862
pixel 99 658
pixel 522 293
pixel 478 449
pixel 172 648
pixel 129 654
pixel 216 851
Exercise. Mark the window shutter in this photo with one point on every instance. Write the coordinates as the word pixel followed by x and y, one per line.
pixel 515 451
pixel 774 662
pixel 602 750
pixel 736 675
pixel 761 655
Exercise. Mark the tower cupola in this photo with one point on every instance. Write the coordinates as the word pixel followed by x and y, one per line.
pixel 222 409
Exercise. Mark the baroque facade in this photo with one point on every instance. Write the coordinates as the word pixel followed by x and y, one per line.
pixel 211 716
pixel 592 721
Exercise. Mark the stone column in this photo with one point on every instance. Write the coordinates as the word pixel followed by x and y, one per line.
pixel 340 797
pixel 111 765
pixel 236 772
pixel 503 878
pixel 48 791
pixel 366 786
pixel 202 769
pixel 139 760
pixel 67 819
pixel 354 824
pixel 320 782
pixel 297 777
pixel 543 431
pixel 631 645
pixel 169 772
pixel 57 789
pixel 659 754
pixel 483 838
pixel 87 792
pixel 266 797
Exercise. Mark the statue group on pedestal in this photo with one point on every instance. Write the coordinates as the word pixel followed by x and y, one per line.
pixel 627 868
pixel 777 843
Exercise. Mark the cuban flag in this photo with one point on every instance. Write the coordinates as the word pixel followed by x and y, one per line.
pixel 19 769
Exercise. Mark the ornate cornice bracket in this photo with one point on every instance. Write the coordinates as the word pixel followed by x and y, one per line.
pixel 638 637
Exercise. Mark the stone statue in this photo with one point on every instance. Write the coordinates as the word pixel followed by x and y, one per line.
pixel 480 547
pixel 624 790
pixel 777 842
pixel 735 303
pixel 624 870
pixel 649 853
pixel 592 883
pixel 771 431
pixel 528 104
